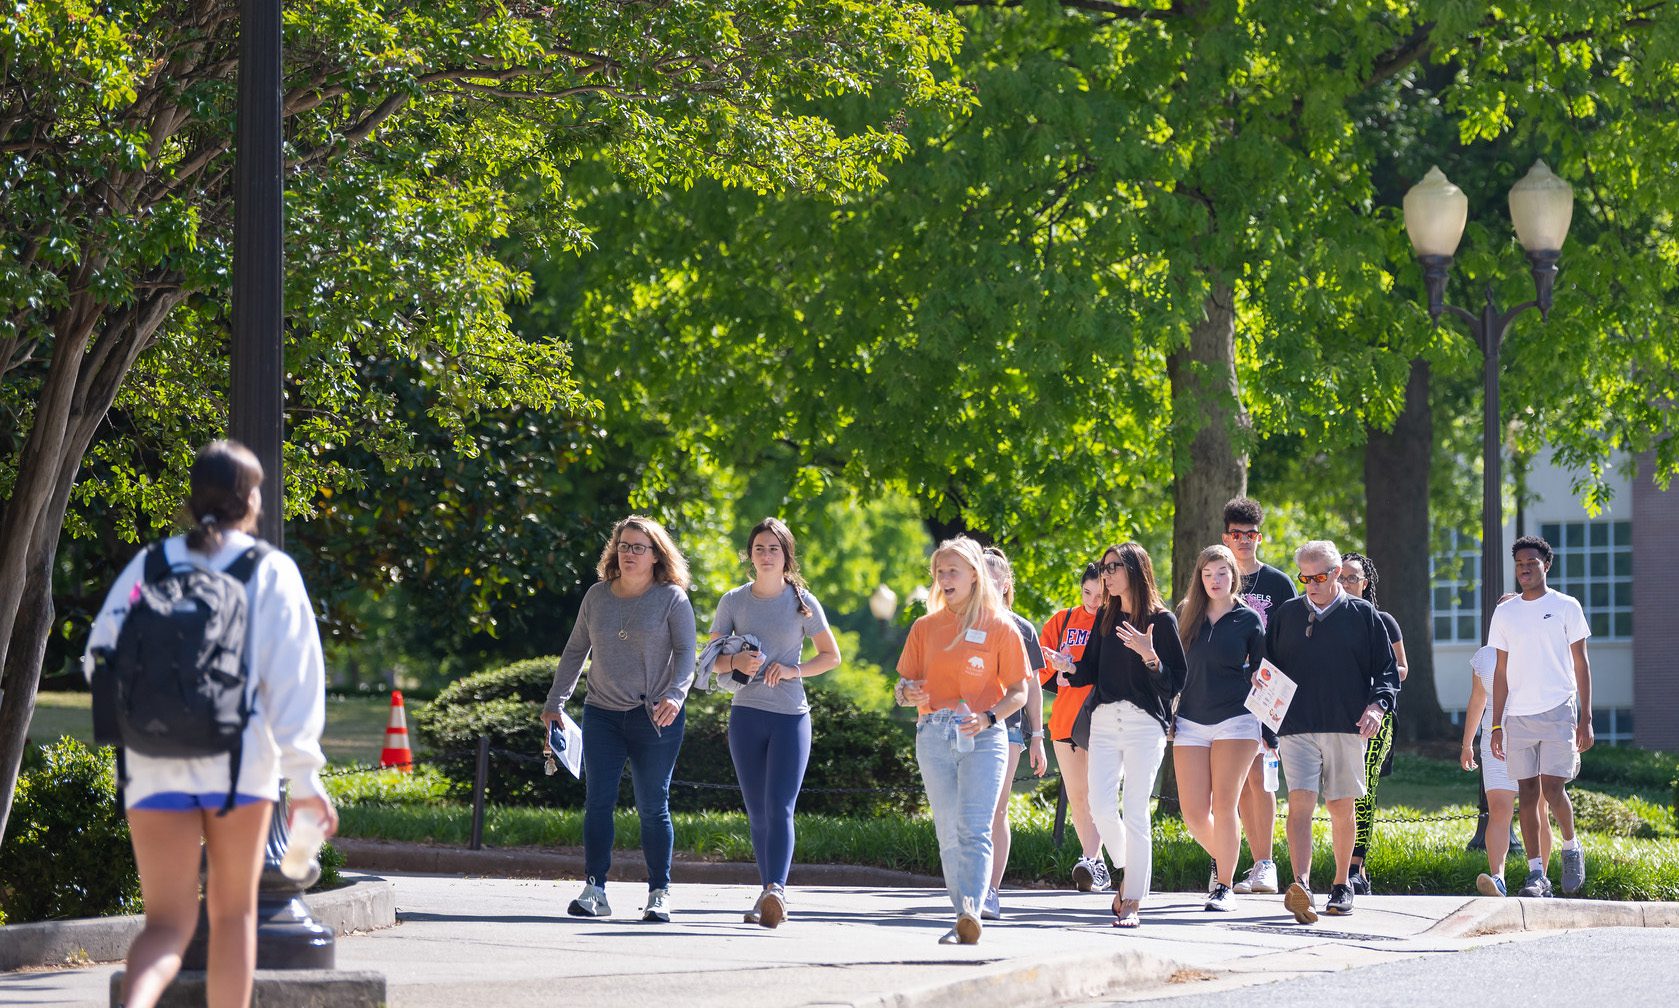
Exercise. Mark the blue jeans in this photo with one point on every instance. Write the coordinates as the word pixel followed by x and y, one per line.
pixel 962 792
pixel 609 739
pixel 770 753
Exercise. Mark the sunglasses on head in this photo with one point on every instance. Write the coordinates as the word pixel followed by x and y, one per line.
pixel 1312 578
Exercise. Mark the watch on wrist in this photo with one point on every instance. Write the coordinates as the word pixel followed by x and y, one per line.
pixel 993 716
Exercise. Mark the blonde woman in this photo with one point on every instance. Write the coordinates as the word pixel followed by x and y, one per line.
pixel 636 628
pixel 1217 736
pixel 963 668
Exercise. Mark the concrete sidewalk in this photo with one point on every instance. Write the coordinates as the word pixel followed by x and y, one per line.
pixel 509 942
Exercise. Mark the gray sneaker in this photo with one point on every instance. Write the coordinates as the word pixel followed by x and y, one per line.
pixel 991 908
pixel 658 906
pixel 1536 884
pixel 1100 880
pixel 591 902
pixel 1573 870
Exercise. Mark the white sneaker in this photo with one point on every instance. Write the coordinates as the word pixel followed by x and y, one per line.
pixel 1102 882
pixel 1220 899
pixel 658 906
pixel 1261 878
pixel 591 902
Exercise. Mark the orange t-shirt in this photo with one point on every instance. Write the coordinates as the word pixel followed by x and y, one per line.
pixel 976 667
pixel 1068 631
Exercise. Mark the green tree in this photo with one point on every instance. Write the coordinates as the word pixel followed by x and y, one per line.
pixel 415 133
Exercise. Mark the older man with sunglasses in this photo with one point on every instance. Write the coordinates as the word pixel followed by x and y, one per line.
pixel 1335 648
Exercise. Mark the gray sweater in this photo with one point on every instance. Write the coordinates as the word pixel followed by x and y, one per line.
pixel 640 650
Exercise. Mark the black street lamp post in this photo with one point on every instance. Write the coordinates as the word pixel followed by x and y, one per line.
pixel 1541 206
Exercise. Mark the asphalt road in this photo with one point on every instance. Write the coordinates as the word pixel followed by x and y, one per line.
pixel 1580 969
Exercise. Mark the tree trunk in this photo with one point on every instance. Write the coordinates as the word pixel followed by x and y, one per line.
pixel 81 384
pixel 1208 425
pixel 1396 478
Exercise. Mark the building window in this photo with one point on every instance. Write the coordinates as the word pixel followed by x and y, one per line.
pixel 1612 725
pixel 1594 564
pixel 1455 577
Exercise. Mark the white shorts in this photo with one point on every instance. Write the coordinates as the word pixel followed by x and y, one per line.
pixel 1495 774
pixel 1193 733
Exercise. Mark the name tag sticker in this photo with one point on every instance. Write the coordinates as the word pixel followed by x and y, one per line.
pixel 974 636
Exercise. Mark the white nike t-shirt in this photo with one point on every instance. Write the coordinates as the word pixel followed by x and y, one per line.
pixel 1538 636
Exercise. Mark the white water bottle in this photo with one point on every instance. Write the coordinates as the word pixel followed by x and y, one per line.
pixel 964 741
pixel 1271 783
pixel 307 835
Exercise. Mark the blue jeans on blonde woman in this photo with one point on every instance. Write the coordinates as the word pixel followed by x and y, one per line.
pixel 962 792
pixel 610 739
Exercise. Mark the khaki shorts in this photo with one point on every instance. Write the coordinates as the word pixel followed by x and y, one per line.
pixel 1542 744
pixel 1329 763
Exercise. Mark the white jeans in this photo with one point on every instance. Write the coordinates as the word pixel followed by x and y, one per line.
pixel 1126 746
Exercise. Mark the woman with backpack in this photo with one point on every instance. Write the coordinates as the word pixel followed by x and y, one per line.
pixel 635 627
pixel 769 721
pixel 225 800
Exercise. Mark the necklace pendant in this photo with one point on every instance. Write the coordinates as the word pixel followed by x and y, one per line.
pixel 623 634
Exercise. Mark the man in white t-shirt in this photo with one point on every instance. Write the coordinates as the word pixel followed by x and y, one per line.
pixel 1542 707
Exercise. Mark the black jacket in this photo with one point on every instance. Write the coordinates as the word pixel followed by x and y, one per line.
pixel 1346 664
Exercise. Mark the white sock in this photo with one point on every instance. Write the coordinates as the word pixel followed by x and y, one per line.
pixel 1534 864
pixel 1572 845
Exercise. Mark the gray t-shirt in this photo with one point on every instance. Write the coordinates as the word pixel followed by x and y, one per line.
pixel 641 650
pixel 782 631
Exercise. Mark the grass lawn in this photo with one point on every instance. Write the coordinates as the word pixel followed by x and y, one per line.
pixel 355 726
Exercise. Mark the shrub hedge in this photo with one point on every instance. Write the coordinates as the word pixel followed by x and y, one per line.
pixel 861 762
pixel 67 852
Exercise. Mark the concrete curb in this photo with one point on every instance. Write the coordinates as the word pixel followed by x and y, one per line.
pixel 627 866
pixel 1058 980
pixel 367 903
pixel 1490 915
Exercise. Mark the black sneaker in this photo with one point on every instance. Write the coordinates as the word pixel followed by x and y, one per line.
pixel 1340 900
pixel 1360 881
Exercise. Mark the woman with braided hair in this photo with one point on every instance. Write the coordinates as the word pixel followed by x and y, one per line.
pixel 1359 578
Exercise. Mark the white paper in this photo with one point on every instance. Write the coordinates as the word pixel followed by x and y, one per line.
pixel 570 755
pixel 1271 695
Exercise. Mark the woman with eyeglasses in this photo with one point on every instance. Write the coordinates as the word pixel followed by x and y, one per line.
pixel 769 721
pixel 1358 578
pixel 1217 736
pixel 636 629
pixel 1135 662
pixel 963 668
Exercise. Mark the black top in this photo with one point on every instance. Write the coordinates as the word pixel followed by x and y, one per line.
pixel 1034 661
pixel 1391 625
pixel 1266 589
pixel 1221 659
pixel 1118 672
pixel 1343 667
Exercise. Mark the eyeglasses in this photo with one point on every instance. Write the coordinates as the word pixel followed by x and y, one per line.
pixel 1312 578
pixel 1350 579
pixel 1112 567
pixel 636 549
pixel 1244 535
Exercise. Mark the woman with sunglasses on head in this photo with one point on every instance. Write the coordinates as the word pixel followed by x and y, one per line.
pixel 1217 736
pixel 636 629
pixel 769 721
pixel 1025 729
pixel 963 668
pixel 1066 633
pixel 1358 578
pixel 1135 662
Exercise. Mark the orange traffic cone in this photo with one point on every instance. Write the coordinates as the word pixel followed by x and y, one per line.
pixel 396 752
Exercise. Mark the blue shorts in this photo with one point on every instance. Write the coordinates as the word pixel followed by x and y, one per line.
pixel 183 801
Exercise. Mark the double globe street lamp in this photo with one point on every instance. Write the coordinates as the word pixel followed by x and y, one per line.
pixel 1541 207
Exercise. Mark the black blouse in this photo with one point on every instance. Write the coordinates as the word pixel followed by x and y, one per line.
pixel 1118 673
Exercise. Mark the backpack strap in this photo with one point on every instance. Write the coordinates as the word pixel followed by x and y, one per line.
pixel 234 758
pixel 245 565
pixel 157 565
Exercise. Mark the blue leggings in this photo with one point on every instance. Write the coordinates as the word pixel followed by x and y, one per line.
pixel 610 739
pixel 770 753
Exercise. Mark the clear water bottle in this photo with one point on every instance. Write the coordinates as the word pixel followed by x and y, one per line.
pixel 307 835
pixel 964 741
pixel 1271 782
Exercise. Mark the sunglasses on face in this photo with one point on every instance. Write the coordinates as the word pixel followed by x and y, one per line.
pixel 1113 567
pixel 1244 535
pixel 1313 578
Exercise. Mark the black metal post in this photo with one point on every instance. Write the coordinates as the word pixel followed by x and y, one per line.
pixel 257 361
pixel 480 784
pixel 1060 812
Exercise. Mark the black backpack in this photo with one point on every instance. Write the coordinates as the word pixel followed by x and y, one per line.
pixel 176 683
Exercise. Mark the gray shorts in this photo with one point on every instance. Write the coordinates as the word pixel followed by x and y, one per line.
pixel 1328 763
pixel 1536 744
